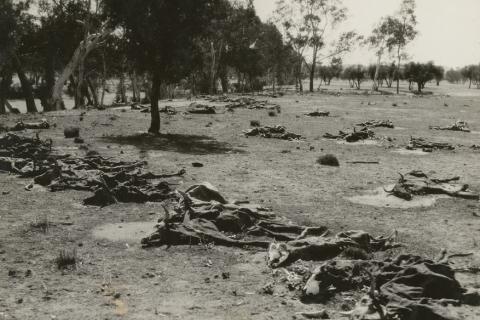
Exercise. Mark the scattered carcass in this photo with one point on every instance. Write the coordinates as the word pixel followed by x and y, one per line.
pixel 20 125
pixel 428 146
pixel 353 136
pixel 197 108
pixel 417 183
pixel 110 181
pixel 377 123
pixel 457 126
pixel 275 132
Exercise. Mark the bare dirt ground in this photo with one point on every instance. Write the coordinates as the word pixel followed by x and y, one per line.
pixel 117 278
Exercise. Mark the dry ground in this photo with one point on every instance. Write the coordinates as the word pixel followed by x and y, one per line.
pixel 120 279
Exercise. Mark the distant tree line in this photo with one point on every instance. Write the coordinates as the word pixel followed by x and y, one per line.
pixel 384 75
pixel 468 74
pixel 150 47
pixel 153 45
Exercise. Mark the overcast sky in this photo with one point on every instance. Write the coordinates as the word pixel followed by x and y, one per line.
pixel 449 30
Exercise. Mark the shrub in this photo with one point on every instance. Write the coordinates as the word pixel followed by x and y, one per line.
pixel 328 160
pixel 66 259
pixel 255 123
pixel 71 132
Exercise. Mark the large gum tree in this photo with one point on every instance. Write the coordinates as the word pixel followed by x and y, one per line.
pixel 160 35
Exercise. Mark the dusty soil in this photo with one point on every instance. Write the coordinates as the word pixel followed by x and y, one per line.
pixel 115 277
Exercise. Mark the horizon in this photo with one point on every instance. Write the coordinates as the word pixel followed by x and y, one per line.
pixel 451 45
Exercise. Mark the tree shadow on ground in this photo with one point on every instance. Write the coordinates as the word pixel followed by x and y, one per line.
pixel 181 143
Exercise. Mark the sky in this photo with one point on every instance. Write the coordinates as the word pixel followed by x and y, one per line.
pixel 449 30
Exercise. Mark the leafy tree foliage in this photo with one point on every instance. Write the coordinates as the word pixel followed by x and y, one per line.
pixel 161 38
pixel 454 76
pixel 472 74
pixel 328 72
pixel 394 33
pixel 16 25
pixel 421 73
pixel 355 75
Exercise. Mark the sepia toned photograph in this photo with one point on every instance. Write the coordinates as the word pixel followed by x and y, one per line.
pixel 239 159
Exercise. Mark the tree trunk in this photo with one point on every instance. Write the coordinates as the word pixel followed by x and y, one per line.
pixel 26 85
pixel 223 78
pixel 104 79
pixel 6 80
pixel 3 99
pixel 398 70
pixel 56 100
pixel 377 71
pixel 93 92
pixel 300 85
pixel 49 79
pixel 2 103
pixel 121 94
pixel 313 67
pixel 136 92
pixel 155 115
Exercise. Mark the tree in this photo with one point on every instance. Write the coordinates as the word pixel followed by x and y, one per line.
pixel 273 51
pixel 327 73
pixel 438 73
pixel 16 23
pixel 472 74
pixel 161 38
pixel 244 36
pixel 453 76
pixel 212 47
pixel 355 75
pixel 379 41
pixel 70 30
pixel 306 23
pixel 421 73
pixel 400 30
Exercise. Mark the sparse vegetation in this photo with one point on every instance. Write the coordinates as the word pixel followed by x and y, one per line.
pixel 272 113
pixel 71 132
pixel 41 223
pixel 328 160
pixel 66 259
pixel 255 123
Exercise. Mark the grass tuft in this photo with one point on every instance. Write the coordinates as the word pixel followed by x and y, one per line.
pixel 66 259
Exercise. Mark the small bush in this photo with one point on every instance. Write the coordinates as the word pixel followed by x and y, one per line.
pixel 328 160
pixel 66 259
pixel 272 113
pixel 255 123
pixel 71 132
